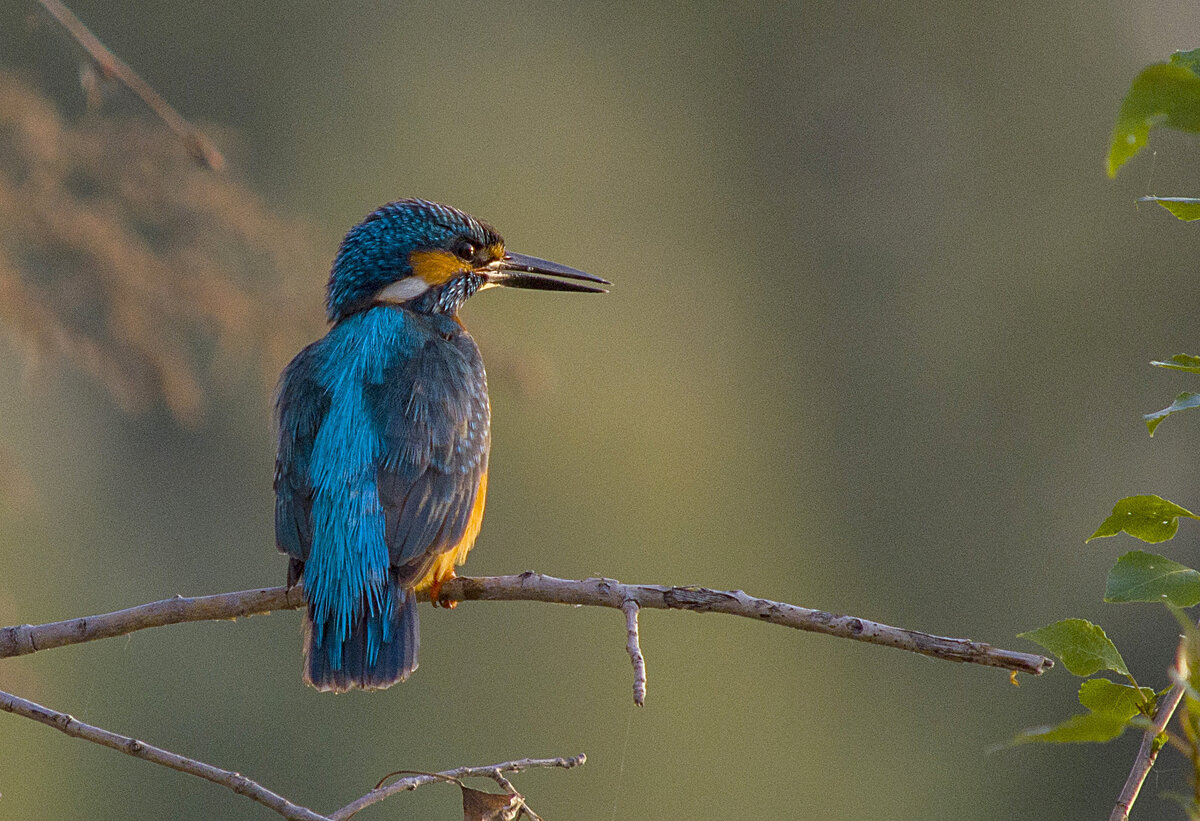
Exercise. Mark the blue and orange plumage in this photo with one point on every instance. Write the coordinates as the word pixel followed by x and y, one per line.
pixel 384 435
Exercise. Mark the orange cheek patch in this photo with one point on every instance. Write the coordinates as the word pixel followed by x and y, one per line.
pixel 495 252
pixel 435 267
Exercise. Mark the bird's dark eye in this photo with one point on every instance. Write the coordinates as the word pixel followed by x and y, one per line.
pixel 465 249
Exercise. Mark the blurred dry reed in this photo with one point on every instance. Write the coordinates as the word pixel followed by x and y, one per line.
pixel 123 257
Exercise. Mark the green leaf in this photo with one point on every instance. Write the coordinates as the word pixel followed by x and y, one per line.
pixel 1117 700
pixel 1180 362
pixel 1082 646
pixel 1144 577
pixel 1184 208
pixel 1149 518
pixel 1163 94
pixel 1095 727
pixel 1185 401
pixel 1112 707
pixel 1188 59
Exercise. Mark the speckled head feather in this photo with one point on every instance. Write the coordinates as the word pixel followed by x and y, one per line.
pixel 379 250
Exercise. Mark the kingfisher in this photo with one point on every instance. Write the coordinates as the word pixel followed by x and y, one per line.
pixel 384 432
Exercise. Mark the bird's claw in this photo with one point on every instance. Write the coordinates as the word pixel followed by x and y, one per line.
pixel 435 594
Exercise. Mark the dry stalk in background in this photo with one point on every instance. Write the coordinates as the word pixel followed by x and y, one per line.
pixel 122 257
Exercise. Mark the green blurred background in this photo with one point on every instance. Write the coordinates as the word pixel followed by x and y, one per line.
pixel 877 344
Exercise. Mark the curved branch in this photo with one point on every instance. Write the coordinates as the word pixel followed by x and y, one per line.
pixel 22 639
pixel 140 749
pixel 411 782
pixel 242 785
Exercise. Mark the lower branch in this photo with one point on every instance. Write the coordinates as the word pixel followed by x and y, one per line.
pixel 242 785
pixel 411 782
pixel 140 749
pixel 529 586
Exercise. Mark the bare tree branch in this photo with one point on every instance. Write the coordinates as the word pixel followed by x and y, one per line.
pixel 1148 750
pixel 140 749
pixel 413 781
pixel 242 785
pixel 529 586
pixel 23 639
pixel 199 146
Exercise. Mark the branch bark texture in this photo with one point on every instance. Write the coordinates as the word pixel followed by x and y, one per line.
pixel 23 639
pixel 633 645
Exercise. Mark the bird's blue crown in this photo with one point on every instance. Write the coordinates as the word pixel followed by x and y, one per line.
pixel 379 250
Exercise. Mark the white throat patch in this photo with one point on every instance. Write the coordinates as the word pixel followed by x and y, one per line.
pixel 402 290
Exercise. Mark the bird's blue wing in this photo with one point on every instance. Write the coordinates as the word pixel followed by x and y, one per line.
pixel 432 413
pixel 300 405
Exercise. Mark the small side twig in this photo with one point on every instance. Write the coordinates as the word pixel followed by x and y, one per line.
pixel 199 146
pixel 1148 750
pixel 633 646
pixel 411 782
pixel 237 782
pixel 520 804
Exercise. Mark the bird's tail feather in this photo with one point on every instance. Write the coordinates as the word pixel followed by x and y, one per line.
pixel 332 666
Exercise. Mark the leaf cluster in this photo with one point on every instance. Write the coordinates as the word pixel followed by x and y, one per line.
pixel 1137 577
pixel 1164 94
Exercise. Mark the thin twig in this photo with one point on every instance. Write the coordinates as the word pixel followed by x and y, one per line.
pixel 140 749
pixel 1148 751
pixel 505 784
pixel 519 802
pixel 1180 200
pixel 413 781
pixel 633 646
pixel 199 146
pixel 22 639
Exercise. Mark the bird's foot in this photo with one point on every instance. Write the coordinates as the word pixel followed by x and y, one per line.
pixel 435 593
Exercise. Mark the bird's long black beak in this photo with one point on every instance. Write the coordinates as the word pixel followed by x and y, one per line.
pixel 520 271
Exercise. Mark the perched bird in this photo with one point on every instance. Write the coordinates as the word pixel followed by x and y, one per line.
pixel 384 432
